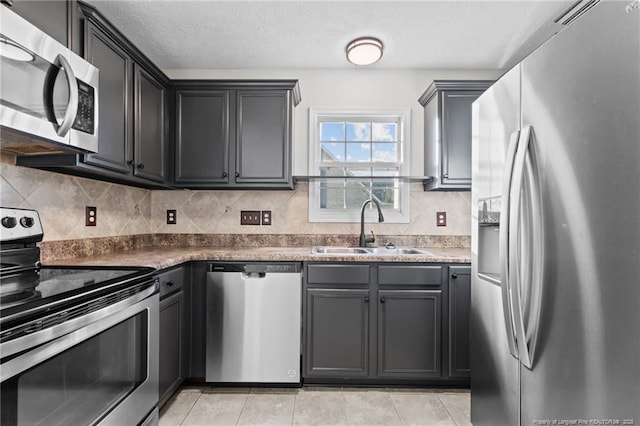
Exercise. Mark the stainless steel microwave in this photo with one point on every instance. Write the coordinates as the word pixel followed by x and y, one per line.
pixel 48 94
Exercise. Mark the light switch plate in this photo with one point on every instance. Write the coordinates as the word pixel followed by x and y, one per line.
pixel 250 217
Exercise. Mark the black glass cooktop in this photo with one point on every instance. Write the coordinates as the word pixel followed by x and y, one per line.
pixel 61 285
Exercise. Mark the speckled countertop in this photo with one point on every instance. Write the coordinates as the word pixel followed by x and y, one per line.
pixel 165 257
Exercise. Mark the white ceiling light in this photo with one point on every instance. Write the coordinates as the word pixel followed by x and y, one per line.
pixel 364 51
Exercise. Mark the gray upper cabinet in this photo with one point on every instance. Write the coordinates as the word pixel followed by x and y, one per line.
pixel 116 66
pixel 447 132
pixel 234 134
pixel 133 129
pixel 263 138
pixel 149 146
pixel 202 137
pixel 54 17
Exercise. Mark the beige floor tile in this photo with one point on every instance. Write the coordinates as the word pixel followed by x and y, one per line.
pixel 459 406
pixel 370 408
pixel 268 409
pixel 324 407
pixel 216 409
pixel 421 409
pixel 177 408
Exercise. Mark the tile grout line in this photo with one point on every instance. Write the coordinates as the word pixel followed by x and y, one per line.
pixel 293 412
pixel 246 398
pixel 448 411
pixel 393 403
pixel 344 406
pixel 192 405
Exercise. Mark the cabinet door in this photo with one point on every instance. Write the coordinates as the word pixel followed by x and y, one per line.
pixel 52 16
pixel 115 65
pixel 170 376
pixel 149 144
pixel 459 307
pixel 409 333
pixel 202 137
pixel 263 138
pixel 456 137
pixel 337 330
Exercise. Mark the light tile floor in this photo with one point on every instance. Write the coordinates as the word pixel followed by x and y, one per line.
pixel 316 406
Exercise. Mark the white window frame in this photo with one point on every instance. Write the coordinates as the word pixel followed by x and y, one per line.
pixel 400 115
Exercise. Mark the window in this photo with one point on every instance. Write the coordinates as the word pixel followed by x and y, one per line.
pixel 356 155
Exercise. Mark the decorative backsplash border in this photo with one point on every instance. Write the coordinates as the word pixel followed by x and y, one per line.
pixel 63 249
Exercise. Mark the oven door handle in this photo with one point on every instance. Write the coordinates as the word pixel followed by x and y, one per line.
pixel 70 326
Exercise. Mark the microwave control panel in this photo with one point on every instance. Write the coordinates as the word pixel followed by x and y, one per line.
pixel 86 109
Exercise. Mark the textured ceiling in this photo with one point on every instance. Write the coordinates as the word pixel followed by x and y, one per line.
pixel 462 34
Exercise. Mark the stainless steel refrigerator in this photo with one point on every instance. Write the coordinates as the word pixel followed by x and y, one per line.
pixel 555 322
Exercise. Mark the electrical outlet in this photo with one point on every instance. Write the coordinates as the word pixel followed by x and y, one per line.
pixel 90 216
pixel 250 217
pixel 266 217
pixel 441 218
pixel 172 217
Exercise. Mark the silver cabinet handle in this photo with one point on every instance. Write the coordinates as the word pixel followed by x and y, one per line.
pixel 72 106
pixel 504 243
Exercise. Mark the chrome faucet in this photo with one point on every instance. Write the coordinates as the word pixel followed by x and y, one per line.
pixel 364 240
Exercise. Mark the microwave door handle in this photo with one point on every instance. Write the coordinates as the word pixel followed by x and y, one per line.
pixel 72 107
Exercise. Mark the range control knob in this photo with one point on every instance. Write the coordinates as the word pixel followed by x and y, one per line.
pixel 26 221
pixel 9 221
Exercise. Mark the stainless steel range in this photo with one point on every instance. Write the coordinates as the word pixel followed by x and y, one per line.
pixel 77 345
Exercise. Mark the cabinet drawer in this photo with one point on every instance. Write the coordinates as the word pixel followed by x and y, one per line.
pixel 171 280
pixel 338 274
pixel 410 275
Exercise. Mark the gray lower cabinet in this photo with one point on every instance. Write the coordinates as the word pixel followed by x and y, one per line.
pixel 383 323
pixel 338 339
pixel 174 331
pixel 409 341
pixel 233 134
pixel 459 314
pixel 447 133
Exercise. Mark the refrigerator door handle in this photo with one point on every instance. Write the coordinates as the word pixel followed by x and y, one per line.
pixel 534 234
pixel 504 244
pixel 528 244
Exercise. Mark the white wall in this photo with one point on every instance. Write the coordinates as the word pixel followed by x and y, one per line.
pixel 356 88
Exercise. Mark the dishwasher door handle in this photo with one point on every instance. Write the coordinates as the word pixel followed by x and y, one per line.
pixel 253 275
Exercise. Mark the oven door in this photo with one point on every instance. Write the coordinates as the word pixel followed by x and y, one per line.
pixel 105 372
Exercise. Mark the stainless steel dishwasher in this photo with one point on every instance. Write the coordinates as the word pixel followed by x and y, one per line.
pixel 253 322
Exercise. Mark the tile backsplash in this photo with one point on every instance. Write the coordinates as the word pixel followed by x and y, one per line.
pixel 61 200
pixel 122 210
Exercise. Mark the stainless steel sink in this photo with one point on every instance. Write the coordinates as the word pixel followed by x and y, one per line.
pixel 339 250
pixel 369 250
pixel 397 251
